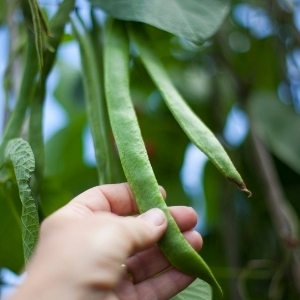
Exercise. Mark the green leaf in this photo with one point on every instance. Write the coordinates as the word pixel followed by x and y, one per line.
pixel 64 163
pixel 19 154
pixel 198 290
pixel 277 124
pixel 191 19
pixel 11 255
pixel 3 11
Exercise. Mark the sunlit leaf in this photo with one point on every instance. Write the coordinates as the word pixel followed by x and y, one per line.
pixel 191 19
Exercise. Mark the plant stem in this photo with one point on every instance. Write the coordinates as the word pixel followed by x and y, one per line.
pixel 230 238
pixel 282 214
pixel 15 122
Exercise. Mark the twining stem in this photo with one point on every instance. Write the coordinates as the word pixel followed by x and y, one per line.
pixel 36 140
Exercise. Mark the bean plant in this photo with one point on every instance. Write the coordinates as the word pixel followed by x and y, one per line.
pixel 109 49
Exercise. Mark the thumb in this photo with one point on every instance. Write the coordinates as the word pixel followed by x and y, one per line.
pixel 154 216
pixel 126 237
pixel 145 230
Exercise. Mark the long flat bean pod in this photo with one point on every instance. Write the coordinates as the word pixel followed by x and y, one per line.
pixel 194 128
pixel 94 105
pixel 96 34
pixel 133 155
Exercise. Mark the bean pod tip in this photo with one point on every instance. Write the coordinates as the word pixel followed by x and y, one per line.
pixel 241 186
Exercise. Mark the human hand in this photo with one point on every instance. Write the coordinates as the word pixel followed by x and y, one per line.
pixel 83 245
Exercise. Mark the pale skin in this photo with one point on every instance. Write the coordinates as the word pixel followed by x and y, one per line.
pixel 83 245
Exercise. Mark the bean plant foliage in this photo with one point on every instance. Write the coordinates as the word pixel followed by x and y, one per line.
pixel 193 20
pixel 155 77
pixel 19 155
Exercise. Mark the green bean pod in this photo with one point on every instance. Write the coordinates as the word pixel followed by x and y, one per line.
pixel 114 165
pixel 134 158
pixel 194 128
pixel 94 103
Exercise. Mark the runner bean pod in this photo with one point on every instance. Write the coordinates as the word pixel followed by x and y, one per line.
pixel 133 155
pixel 194 128
pixel 94 102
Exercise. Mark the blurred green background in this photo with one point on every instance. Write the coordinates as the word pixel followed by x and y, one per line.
pixel 244 83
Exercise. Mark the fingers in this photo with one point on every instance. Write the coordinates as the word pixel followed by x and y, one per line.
pixel 164 286
pixel 185 217
pixel 145 230
pixel 116 198
pixel 103 242
pixel 151 262
pixel 124 237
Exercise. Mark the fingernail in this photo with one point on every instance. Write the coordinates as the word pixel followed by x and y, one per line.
pixel 154 216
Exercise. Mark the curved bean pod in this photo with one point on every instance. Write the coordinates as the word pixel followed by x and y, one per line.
pixel 194 128
pixel 133 155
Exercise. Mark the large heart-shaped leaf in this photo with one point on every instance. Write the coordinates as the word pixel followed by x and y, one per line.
pixel 192 19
